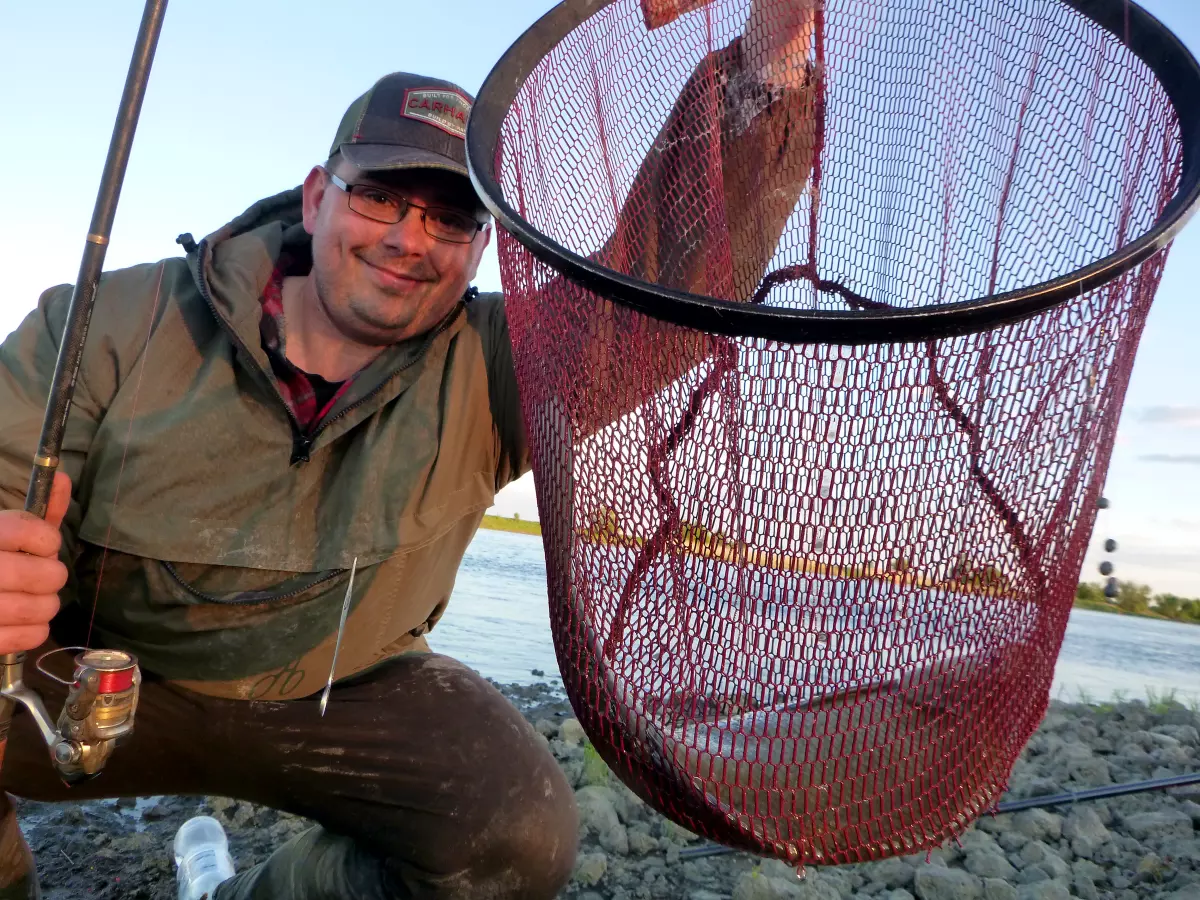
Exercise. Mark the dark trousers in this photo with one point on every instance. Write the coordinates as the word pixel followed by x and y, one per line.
pixel 425 780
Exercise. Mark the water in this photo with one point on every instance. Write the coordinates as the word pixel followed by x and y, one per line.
pixel 498 623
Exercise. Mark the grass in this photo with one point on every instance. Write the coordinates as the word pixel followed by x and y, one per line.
pixel 1106 607
pixel 1157 701
pixel 519 526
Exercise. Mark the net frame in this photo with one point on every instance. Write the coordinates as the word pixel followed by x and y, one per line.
pixel 657 765
pixel 1163 53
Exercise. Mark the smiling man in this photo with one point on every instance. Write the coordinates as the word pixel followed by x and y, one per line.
pixel 317 387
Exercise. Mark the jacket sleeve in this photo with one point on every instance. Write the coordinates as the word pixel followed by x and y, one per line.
pixel 503 397
pixel 27 360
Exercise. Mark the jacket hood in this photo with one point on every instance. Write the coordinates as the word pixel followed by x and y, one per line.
pixel 232 265
pixel 284 208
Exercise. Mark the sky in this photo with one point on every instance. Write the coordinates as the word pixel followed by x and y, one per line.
pixel 244 98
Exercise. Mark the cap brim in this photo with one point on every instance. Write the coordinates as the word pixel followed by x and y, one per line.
pixel 391 157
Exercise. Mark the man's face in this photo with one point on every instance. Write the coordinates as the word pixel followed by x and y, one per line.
pixel 379 284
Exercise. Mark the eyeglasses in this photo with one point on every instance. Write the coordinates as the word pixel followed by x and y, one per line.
pixel 448 225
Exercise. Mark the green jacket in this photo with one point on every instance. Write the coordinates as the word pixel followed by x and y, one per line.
pixel 229 537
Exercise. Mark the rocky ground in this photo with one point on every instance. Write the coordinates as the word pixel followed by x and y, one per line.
pixel 1141 845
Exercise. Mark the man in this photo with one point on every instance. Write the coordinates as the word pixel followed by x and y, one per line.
pixel 316 387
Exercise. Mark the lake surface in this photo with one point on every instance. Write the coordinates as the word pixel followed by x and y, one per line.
pixel 498 623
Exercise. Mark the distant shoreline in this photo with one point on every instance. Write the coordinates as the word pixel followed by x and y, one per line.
pixel 515 525
pixel 1104 607
pixel 533 528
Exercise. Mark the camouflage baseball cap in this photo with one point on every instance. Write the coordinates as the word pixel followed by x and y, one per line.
pixel 406 122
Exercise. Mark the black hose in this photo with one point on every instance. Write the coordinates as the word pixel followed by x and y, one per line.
pixel 1097 793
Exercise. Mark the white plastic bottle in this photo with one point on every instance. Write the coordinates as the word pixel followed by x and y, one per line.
pixel 202 857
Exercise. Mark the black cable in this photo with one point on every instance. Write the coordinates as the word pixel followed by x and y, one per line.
pixel 1098 793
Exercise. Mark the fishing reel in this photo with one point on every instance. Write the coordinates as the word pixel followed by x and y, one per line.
pixel 98 713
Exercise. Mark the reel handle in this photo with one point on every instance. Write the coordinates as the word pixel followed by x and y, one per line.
pixel 97 715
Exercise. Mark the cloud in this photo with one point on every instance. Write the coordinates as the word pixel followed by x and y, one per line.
pixel 1187 459
pixel 1171 415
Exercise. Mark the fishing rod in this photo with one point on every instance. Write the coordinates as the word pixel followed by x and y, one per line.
pixel 1069 797
pixel 103 691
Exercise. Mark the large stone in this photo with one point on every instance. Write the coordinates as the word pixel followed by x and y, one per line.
pixel 754 885
pixel 1031 875
pixel 597 809
pixel 995 825
pixel 1079 763
pixel 1174 759
pixel 1091 771
pixel 1088 869
pixel 1185 734
pixel 590 868
pixel 988 864
pixel 1083 822
pixel 680 835
pixel 757 885
pixel 1158 825
pixel 1085 888
pixel 839 880
pixel 893 871
pixel 1038 825
pixel 1042 855
pixel 571 732
pixel 1189 807
pixel 974 839
pixel 615 840
pixel 698 871
pixel 1044 890
pixel 1013 840
pixel 937 883
pixel 1183 850
pixel 996 889
pixel 641 842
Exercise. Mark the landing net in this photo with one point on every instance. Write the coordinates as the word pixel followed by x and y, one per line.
pixel 809 572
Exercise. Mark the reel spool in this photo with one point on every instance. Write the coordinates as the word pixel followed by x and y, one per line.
pixel 97 715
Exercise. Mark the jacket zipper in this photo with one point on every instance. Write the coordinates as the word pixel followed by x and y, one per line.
pixel 301 442
pixel 445 323
pixel 209 598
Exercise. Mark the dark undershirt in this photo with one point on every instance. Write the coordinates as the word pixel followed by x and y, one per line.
pixel 323 390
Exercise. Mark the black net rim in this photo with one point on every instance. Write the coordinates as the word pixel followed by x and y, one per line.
pixel 1163 53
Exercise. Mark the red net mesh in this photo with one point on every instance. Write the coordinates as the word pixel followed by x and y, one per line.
pixel 807 599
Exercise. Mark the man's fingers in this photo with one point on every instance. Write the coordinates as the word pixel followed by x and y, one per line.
pixel 23 637
pixel 26 533
pixel 18 610
pixel 60 499
pixel 26 574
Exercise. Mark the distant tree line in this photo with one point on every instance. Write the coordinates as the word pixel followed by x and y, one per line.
pixel 1136 599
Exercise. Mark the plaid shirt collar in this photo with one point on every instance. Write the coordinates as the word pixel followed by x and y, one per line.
pixel 295 385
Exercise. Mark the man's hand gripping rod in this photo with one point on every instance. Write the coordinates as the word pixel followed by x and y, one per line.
pixel 103 695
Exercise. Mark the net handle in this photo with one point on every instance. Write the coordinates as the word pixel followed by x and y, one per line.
pixel 1162 52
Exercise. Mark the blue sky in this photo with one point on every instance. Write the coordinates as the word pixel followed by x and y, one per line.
pixel 245 97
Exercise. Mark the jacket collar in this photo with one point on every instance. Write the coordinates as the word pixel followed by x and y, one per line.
pixel 232 266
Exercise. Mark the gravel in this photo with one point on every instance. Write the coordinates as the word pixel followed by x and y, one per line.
pixel 1124 848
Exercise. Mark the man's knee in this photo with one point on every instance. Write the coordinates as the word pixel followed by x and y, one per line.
pixel 520 843
pixel 534 845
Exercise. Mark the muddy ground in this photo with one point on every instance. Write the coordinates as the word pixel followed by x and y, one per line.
pixel 1139 846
